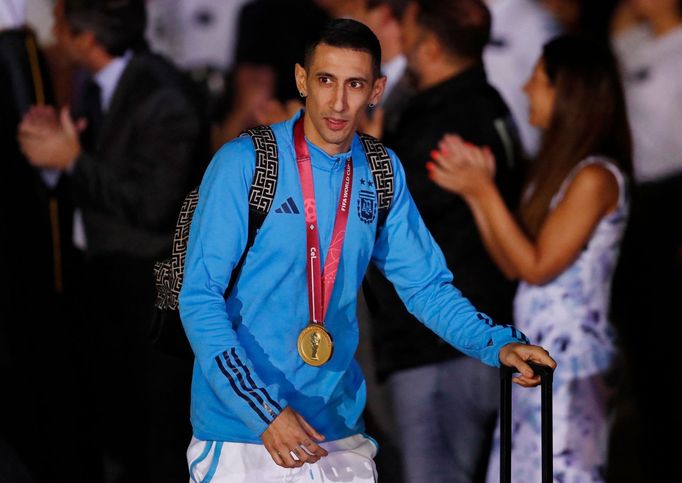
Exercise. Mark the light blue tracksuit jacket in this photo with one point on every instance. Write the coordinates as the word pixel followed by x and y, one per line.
pixel 247 369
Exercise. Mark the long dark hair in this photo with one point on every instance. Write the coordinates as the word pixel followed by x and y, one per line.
pixel 589 118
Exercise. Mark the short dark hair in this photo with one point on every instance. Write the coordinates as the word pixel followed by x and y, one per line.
pixel 461 26
pixel 118 25
pixel 348 34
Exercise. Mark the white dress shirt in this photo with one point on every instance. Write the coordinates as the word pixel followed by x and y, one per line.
pixel 107 79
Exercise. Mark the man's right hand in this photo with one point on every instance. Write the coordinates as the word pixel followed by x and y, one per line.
pixel 288 435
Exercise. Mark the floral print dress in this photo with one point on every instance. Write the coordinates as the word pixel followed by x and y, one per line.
pixel 569 317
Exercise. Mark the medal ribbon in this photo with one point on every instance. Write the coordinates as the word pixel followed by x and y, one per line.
pixel 320 286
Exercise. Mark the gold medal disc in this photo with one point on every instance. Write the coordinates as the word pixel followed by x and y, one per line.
pixel 315 345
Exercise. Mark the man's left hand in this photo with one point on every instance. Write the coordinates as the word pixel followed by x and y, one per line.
pixel 49 141
pixel 519 355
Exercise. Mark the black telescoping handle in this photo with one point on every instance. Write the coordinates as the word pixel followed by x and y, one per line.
pixel 546 374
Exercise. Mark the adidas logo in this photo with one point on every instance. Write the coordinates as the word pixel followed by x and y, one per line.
pixel 288 207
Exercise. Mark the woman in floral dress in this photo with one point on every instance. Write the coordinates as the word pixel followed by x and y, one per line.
pixel 563 248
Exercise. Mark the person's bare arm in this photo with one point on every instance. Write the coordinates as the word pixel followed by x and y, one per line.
pixel 565 232
pixel 491 244
pixel 567 229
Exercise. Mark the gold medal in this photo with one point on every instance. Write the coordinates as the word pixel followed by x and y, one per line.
pixel 315 345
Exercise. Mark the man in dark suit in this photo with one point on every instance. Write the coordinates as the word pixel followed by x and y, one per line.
pixel 131 159
pixel 35 261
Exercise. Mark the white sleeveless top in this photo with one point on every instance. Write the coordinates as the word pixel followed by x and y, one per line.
pixel 569 316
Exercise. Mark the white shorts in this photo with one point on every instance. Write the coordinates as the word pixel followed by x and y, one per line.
pixel 350 460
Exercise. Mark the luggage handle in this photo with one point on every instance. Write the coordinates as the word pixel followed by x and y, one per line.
pixel 546 375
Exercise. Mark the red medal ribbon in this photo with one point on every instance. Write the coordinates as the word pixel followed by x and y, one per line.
pixel 320 287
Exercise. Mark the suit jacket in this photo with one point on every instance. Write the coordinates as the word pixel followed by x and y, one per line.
pixel 466 105
pixel 131 184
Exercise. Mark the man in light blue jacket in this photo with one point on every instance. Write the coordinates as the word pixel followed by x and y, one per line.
pixel 276 390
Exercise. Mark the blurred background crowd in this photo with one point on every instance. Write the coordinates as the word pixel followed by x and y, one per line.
pixel 110 110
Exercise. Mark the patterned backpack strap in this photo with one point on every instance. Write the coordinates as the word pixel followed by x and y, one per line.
pixel 263 189
pixel 264 182
pixel 169 272
pixel 382 171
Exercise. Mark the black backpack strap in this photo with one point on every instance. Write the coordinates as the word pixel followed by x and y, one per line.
pixel 262 193
pixel 382 171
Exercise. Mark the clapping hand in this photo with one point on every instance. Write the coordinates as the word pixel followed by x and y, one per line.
pixel 460 167
pixel 49 140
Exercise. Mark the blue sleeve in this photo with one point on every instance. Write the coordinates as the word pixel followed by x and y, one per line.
pixel 407 254
pixel 218 236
